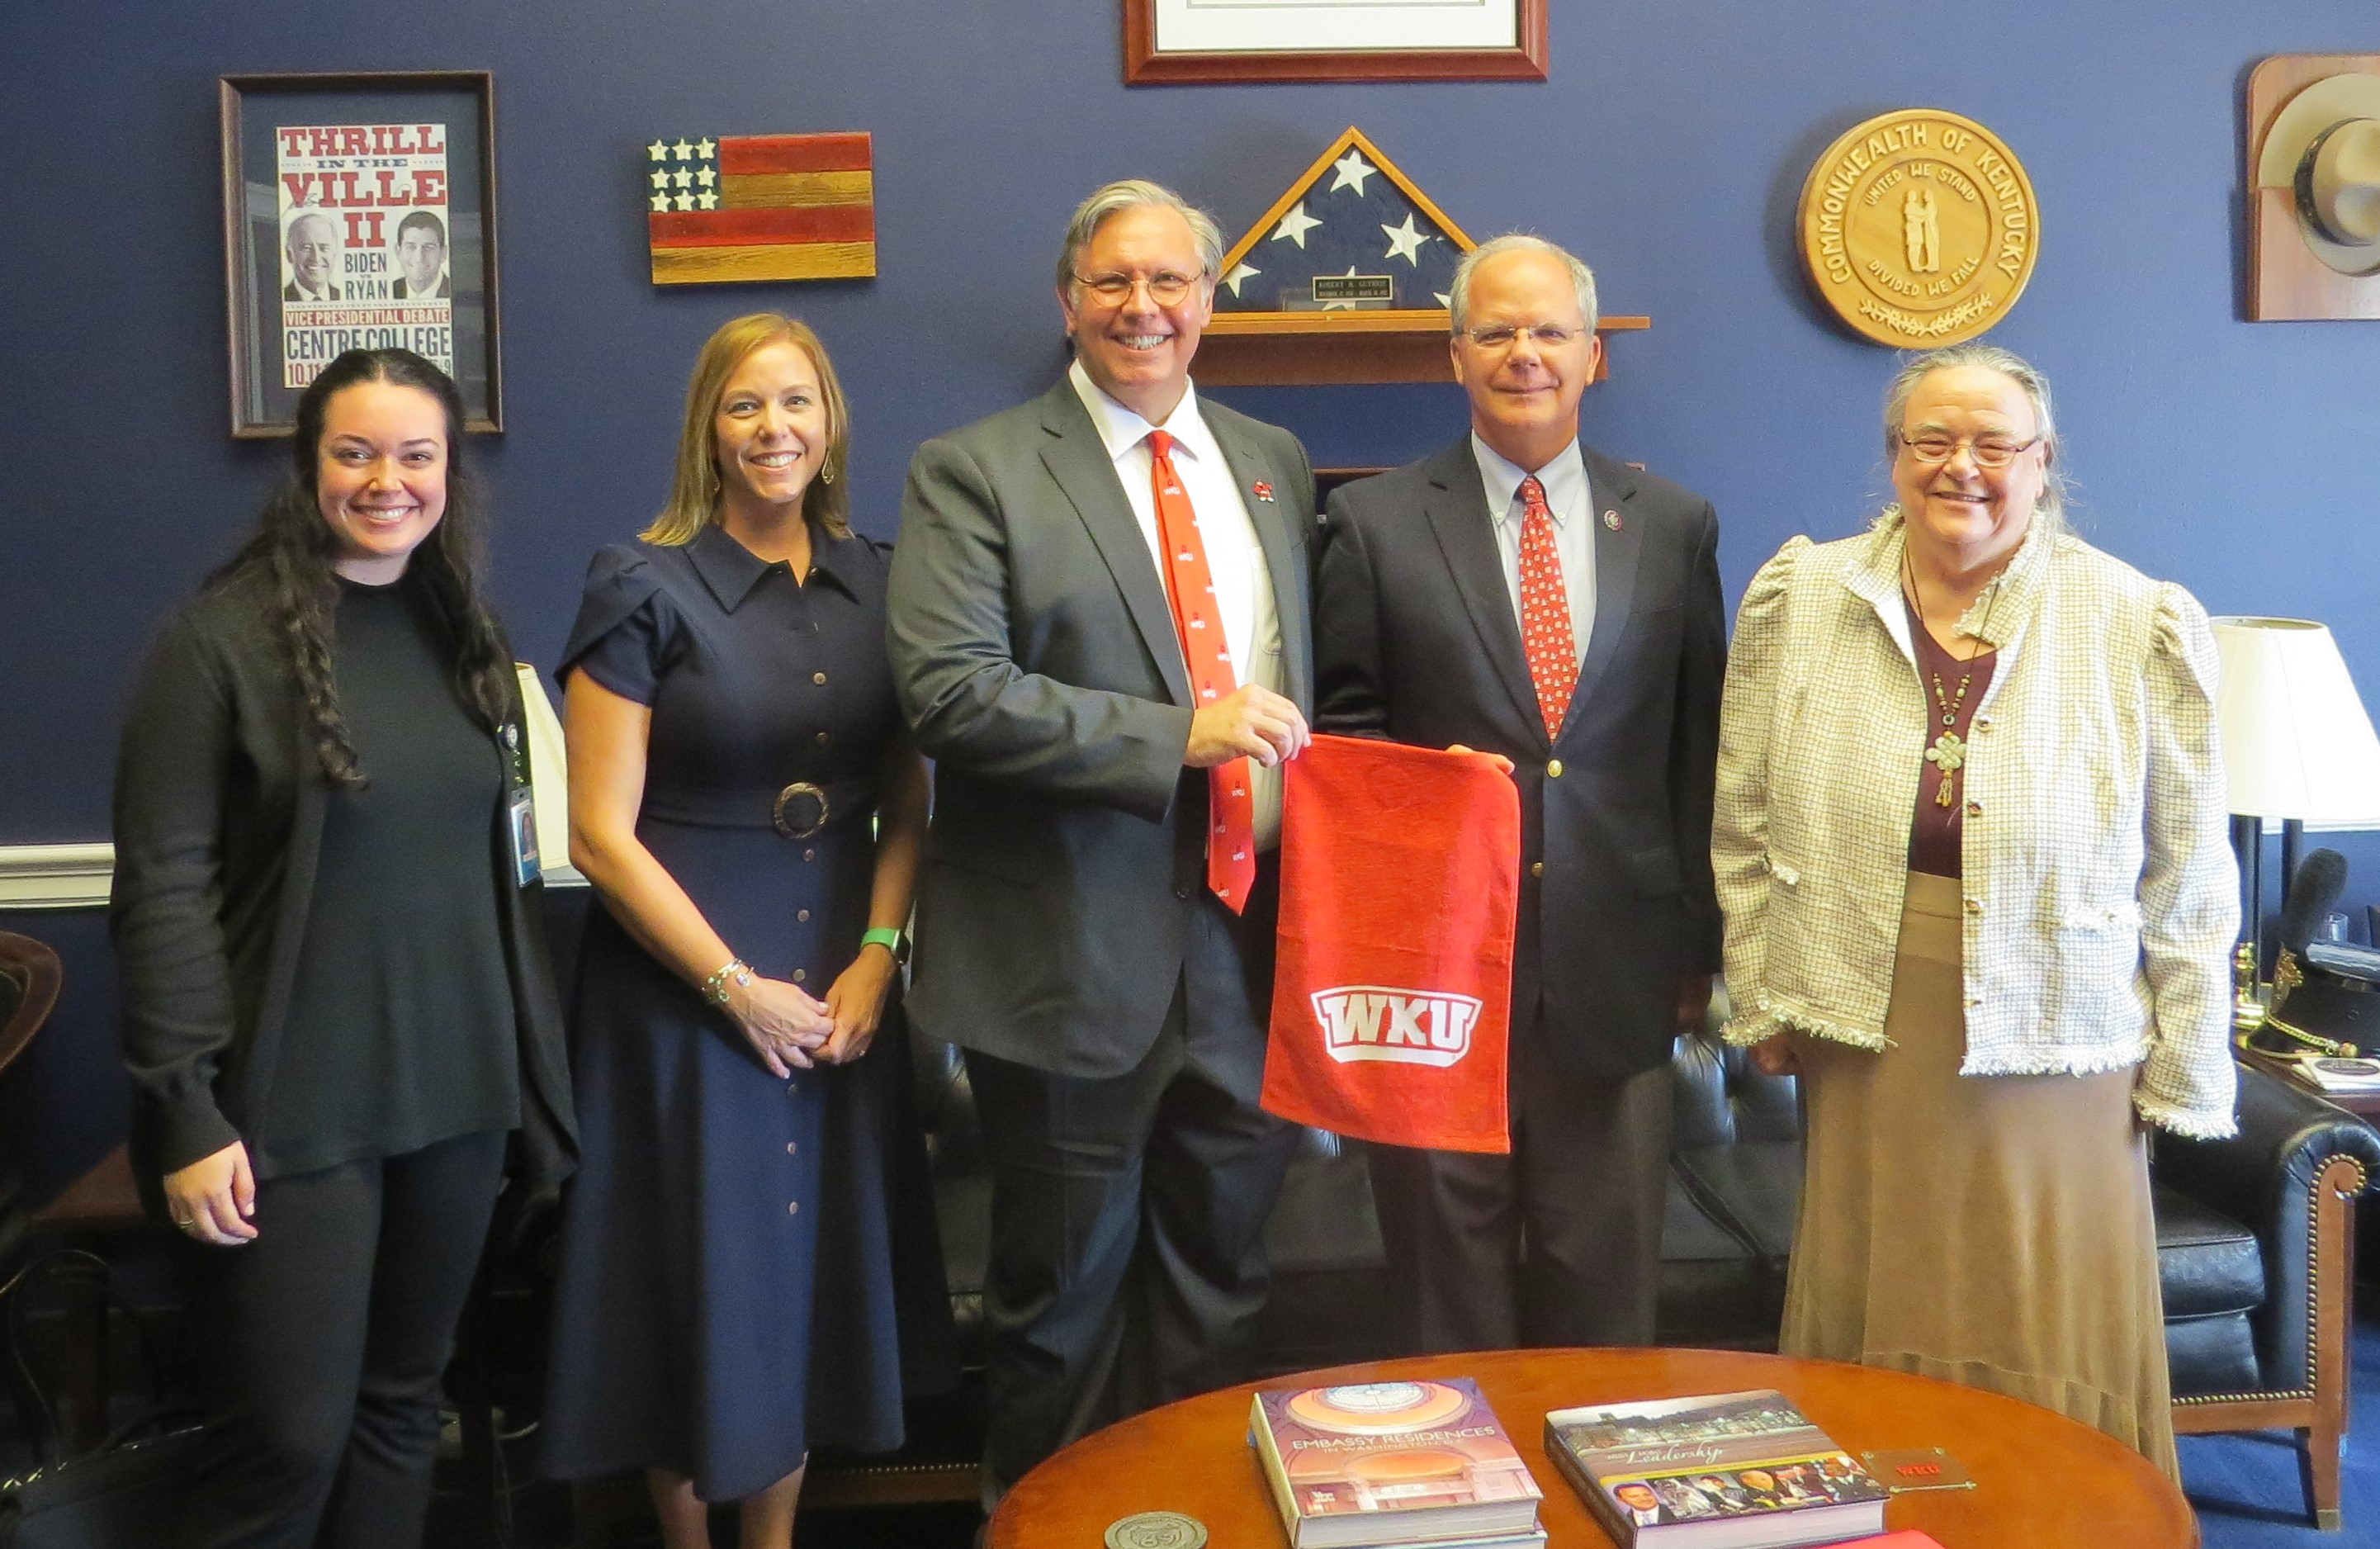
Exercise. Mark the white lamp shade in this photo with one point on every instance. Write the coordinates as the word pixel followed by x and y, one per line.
pixel 2296 740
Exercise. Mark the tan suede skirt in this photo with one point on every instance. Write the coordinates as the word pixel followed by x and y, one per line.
pixel 1990 1230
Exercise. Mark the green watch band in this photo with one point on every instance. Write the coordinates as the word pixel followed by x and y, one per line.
pixel 893 941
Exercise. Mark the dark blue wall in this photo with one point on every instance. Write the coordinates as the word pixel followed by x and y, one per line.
pixel 1668 148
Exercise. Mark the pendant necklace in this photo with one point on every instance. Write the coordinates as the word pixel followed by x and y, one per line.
pixel 1949 751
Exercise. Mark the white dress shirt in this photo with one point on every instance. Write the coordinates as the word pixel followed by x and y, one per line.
pixel 1572 505
pixel 1234 554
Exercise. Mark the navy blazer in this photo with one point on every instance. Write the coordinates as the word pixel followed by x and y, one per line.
pixel 1416 640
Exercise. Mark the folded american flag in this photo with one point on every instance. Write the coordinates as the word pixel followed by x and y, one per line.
pixel 1367 237
pixel 762 207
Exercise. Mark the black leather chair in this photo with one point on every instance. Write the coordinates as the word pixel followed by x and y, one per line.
pixel 29 981
pixel 2255 1249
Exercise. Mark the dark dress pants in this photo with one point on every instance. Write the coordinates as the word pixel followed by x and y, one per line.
pixel 1128 1211
pixel 319 1346
pixel 1557 1243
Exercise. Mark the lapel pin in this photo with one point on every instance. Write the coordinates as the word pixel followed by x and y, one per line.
pixel 1263 492
pixel 1611 520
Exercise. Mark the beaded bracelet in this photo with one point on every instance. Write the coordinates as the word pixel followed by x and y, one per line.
pixel 714 989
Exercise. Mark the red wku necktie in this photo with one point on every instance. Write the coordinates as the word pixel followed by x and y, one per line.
pixel 1545 611
pixel 1232 844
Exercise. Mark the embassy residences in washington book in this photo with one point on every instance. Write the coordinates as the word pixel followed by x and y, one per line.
pixel 1730 1470
pixel 1368 1464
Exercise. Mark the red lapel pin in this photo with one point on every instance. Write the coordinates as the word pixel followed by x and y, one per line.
pixel 1611 520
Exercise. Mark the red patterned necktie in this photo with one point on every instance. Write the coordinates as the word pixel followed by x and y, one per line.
pixel 1545 610
pixel 1232 811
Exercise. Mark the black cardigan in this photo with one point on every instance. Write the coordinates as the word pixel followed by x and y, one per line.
pixel 219 809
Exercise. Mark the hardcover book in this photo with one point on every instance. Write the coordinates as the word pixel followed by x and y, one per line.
pixel 1392 1463
pixel 1730 1470
pixel 2338 1075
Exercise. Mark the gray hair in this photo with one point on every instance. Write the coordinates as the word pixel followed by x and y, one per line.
pixel 1582 278
pixel 2008 363
pixel 1132 193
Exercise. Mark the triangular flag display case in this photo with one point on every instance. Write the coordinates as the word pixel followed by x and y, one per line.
pixel 1343 281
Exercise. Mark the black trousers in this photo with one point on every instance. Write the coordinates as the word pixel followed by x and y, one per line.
pixel 1127 1219
pixel 1558 1243
pixel 318 1347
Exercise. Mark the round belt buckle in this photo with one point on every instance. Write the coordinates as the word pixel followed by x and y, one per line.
pixel 790 807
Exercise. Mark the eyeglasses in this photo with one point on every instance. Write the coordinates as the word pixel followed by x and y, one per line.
pixel 1165 288
pixel 1935 450
pixel 1545 335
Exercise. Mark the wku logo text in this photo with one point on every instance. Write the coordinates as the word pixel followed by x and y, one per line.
pixel 1414 1026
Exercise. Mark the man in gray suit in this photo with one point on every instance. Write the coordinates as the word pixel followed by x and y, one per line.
pixel 1526 596
pixel 1099 632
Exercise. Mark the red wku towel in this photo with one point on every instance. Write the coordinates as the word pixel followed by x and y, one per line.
pixel 1392 993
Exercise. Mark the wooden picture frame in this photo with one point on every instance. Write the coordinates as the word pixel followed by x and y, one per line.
pixel 359 209
pixel 1219 58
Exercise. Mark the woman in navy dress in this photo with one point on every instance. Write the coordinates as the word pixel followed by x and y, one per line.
pixel 752 1202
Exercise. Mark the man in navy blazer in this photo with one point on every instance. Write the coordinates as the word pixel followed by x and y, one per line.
pixel 1419 637
pixel 1112 1003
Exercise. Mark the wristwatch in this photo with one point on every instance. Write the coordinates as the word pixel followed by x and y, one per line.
pixel 894 940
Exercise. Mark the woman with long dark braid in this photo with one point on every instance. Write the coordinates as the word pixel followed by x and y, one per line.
pixel 336 1000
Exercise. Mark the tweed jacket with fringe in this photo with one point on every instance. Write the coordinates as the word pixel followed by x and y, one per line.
pixel 2100 897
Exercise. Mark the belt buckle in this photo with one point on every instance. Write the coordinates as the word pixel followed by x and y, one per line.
pixel 797 789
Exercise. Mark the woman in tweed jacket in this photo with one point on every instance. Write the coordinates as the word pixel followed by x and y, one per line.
pixel 1970 844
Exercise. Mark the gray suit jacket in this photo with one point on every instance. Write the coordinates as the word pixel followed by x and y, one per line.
pixel 1416 641
pixel 1037 662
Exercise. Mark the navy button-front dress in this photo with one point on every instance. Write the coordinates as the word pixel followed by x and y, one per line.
pixel 745 1261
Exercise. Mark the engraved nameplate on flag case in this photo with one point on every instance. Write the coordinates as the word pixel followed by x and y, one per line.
pixel 1354 288
pixel 1379 1021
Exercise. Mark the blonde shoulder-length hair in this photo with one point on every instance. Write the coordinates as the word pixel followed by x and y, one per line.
pixel 694 489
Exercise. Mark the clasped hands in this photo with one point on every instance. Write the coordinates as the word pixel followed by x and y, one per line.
pixel 792 1029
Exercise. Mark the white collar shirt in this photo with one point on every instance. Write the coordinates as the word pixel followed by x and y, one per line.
pixel 1236 554
pixel 1570 501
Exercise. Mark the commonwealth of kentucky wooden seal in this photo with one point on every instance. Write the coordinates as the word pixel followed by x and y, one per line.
pixel 1919 228
pixel 1157 1530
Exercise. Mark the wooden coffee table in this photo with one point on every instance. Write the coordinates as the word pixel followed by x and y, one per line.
pixel 2043 1481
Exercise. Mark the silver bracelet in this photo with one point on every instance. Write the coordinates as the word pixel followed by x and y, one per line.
pixel 736 971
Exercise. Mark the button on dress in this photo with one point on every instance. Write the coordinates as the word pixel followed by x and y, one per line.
pixel 750 1264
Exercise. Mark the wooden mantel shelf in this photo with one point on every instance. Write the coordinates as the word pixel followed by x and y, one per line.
pixel 1299 349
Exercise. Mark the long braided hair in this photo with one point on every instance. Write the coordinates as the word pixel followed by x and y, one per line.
pixel 294 545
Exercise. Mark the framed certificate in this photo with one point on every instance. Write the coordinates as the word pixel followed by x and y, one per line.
pixel 359 211
pixel 1167 40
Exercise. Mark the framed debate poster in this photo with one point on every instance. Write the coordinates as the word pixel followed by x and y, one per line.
pixel 359 211
pixel 1333 39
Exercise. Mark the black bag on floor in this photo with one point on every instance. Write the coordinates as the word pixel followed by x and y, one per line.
pixel 126 1493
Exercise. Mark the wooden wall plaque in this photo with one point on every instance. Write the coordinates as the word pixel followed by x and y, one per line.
pixel 1919 228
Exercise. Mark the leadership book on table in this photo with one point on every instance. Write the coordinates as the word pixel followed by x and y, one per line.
pixel 1730 1470
pixel 1365 1464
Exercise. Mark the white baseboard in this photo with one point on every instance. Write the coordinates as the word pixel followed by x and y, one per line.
pixel 77 876
pixel 55 876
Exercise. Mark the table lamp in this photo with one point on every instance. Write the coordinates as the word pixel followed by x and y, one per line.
pixel 2297 746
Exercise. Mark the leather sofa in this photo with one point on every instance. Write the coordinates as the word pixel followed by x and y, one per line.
pixel 2254 1241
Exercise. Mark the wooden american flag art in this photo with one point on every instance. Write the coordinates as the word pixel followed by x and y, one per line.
pixel 762 207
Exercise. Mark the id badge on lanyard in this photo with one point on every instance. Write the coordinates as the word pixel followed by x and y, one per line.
pixel 520 810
